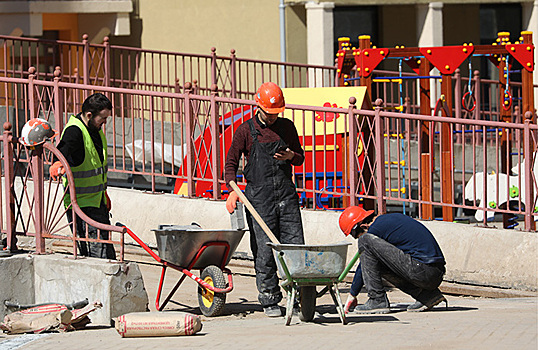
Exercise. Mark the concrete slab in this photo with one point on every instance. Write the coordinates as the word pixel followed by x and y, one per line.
pixel 34 279
pixel 119 286
pixel 16 281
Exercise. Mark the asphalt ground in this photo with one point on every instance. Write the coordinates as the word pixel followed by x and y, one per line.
pixel 467 323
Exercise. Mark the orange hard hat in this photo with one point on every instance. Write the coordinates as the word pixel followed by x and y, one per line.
pixel 351 217
pixel 270 98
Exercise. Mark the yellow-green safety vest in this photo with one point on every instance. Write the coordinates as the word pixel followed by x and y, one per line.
pixel 91 175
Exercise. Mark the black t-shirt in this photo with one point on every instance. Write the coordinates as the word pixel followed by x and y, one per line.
pixel 72 144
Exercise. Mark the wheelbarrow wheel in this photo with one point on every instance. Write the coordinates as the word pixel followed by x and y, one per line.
pixel 211 303
pixel 307 301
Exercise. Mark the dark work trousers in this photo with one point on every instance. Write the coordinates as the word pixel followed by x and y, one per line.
pixel 382 259
pixel 96 250
pixel 273 195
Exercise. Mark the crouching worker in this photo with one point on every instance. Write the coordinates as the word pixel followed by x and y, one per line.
pixel 399 249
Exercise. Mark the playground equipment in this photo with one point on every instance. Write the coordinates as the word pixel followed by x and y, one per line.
pixel 323 135
pixel 446 59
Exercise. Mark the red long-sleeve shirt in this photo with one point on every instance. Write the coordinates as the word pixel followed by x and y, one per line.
pixel 282 128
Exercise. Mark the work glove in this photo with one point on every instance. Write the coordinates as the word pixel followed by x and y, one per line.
pixel 108 202
pixel 351 302
pixel 231 202
pixel 56 170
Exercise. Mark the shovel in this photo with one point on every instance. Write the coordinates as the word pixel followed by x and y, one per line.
pixel 254 213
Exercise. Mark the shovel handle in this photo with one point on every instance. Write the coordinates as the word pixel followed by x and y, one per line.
pixel 254 213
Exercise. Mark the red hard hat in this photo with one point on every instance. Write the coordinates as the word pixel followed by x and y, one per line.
pixel 270 98
pixel 351 217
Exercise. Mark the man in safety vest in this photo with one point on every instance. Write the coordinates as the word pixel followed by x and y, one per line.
pixel 271 146
pixel 84 145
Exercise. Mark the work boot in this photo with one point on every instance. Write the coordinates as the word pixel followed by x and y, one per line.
pixel 272 311
pixel 434 299
pixel 374 306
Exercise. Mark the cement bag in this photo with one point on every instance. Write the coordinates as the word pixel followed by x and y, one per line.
pixel 53 317
pixel 157 324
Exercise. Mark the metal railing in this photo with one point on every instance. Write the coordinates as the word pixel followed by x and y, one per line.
pixel 167 71
pixel 153 70
pixel 350 155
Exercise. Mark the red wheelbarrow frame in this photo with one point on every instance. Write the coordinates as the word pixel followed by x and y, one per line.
pixel 186 271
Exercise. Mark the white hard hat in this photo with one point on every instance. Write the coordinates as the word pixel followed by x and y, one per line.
pixel 35 132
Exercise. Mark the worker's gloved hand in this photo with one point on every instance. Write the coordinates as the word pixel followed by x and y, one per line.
pixel 108 202
pixel 56 170
pixel 231 202
pixel 351 302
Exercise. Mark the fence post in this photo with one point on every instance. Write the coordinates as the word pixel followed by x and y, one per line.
pixel 190 149
pixel 31 92
pixel 352 151
pixel 152 137
pixel 380 157
pixel 215 147
pixel 36 162
pixel 9 183
pixel 528 149
pixel 58 119
pixel 75 94
pixel 214 65
pixel 106 54
pixel 177 90
pixel 233 75
pixel 86 63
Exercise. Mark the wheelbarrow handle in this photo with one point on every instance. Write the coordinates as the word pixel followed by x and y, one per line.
pixel 254 213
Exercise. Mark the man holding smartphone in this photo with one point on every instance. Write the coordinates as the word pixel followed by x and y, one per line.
pixel 271 146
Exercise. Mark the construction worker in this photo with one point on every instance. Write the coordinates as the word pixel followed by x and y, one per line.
pixel 399 249
pixel 84 145
pixel 271 146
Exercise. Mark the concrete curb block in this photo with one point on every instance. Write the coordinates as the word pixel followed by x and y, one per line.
pixel 475 255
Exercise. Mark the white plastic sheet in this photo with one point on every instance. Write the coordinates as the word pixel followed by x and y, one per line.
pixel 160 153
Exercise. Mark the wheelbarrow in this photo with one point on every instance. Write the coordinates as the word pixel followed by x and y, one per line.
pixel 303 267
pixel 186 248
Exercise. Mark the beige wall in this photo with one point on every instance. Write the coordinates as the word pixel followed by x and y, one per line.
pixel 296 33
pixel 250 27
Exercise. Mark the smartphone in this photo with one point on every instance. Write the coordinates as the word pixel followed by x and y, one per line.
pixel 281 149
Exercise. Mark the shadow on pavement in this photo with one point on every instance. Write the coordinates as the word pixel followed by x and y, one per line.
pixel 402 307
pixel 243 308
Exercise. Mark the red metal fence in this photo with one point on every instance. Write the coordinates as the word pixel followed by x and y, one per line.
pixel 153 70
pixel 156 135
pixel 166 71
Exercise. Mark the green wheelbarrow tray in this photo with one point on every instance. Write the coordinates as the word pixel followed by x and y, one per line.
pixel 303 267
